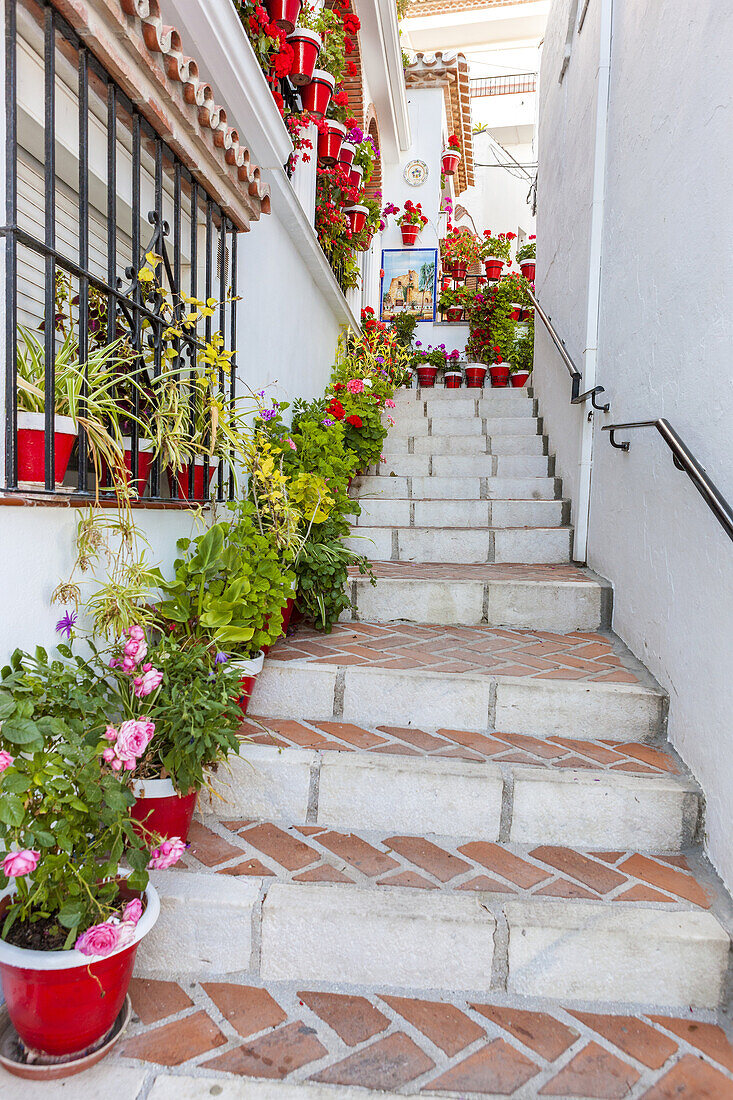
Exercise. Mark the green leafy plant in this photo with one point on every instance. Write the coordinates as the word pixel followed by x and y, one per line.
pixel 522 355
pixel 498 246
pixel 528 251
pixel 403 326
pixel 323 574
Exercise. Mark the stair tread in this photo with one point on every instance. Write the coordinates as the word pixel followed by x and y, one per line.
pixel 456 572
pixel 363 1040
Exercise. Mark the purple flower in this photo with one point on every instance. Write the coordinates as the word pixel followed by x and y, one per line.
pixel 327 423
pixel 380 358
pixel 267 414
pixel 418 343
pixel 221 658
pixel 66 625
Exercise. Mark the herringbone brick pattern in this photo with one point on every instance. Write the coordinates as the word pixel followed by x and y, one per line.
pixel 467 1046
pixel 477 650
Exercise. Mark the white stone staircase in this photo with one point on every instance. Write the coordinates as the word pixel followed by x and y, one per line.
pixel 475 724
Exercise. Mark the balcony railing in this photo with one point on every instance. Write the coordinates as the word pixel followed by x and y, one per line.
pixel 502 85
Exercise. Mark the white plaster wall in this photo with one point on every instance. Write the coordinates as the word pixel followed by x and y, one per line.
pixel 664 349
pixel 498 201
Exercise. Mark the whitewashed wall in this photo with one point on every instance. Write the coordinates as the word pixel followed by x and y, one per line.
pixel 664 349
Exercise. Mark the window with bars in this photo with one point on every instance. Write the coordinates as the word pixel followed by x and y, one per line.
pixel 91 190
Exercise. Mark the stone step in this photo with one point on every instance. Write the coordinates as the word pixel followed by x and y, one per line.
pixel 466 407
pixel 454 489
pixel 472 677
pixel 368 927
pixel 513 596
pixel 471 514
pixel 494 544
pixel 458 783
pixel 471 445
pixel 449 425
pixel 465 466
pixel 351 1043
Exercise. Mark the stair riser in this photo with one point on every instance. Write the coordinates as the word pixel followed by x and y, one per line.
pixel 455 488
pixel 523 605
pixel 450 425
pixel 549 545
pixel 464 408
pixel 476 514
pixel 375 696
pixel 470 445
pixel 455 798
pixel 459 467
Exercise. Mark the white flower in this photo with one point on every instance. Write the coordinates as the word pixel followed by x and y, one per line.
pixel 367 382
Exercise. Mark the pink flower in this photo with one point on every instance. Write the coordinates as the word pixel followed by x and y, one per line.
pixel 5 760
pixel 133 911
pixel 132 740
pixel 100 939
pixel 166 854
pixel 355 385
pixel 135 648
pixel 17 864
pixel 291 444
pixel 390 403
pixel 149 682
pixel 110 734
pixel 108 755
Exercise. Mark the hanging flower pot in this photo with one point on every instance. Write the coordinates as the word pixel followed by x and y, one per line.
pixel 449 268
pixel 455 313
pixel 409 233
pixel 451 159
pixel 493 267
pixel 516 311
pixel 367 243
pixel 329 144
pixel 460 270
pixel 475 375
pixel 316 95
pixel 453 379
pixel 519 378
pixel 283 13
pixel 182 480
pixel 356 174
pixel 159 808
pixel 346 154
pixel 528 269
pixel 525 313
pixel 306 48
pixel 250 668
pixel 426 376
pixel 499 374
pixel 63 1003
pixel 357 216
pixel 32 445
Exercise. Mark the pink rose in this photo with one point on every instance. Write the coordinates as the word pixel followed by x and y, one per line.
pixel 135 647
pixel 108 755
pixel 100 939
pixel 132 741
pixel 355 385
pixel 147 683
pixel 110 734
pixel 390 403
pixel 5 760
pixel 17 864
pixel 168 853
pixel 133 911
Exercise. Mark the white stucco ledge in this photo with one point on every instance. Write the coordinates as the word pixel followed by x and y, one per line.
pixel 105 1080
pixel 229 64
pixel 204 1088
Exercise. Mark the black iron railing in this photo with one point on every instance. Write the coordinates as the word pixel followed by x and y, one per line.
pixel 684 460
pixel 203 239
pixel 502 85
pixel 576 397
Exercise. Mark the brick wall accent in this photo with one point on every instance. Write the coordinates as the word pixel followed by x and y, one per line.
pixel 371 126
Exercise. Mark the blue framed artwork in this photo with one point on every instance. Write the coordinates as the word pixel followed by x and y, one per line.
pixel 409 281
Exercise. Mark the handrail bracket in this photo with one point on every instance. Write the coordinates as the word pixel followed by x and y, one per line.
pixel 592 394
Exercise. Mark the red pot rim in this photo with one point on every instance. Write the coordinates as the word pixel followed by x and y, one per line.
pixel 336 127
pixel 307 35
pixel 321 76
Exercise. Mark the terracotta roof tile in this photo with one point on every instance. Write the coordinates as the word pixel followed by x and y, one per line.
pixel 449 71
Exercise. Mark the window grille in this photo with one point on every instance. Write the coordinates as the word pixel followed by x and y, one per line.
pixel 90 189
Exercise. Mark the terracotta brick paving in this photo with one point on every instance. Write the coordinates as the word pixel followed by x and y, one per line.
pixel 455 571
pixel 419 1045
pixel 552 752
pixel 316 853
pixel 478 650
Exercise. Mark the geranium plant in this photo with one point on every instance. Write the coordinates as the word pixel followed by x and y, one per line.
pixel 412 215
pixel 528 251
pixel 498 246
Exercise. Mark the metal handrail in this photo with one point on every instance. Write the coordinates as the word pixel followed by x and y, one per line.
pixel 684 460
pixel 576 396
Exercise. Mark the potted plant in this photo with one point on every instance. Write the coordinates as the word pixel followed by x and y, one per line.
pixel 522 357
pixel 411 221
pixel 460 250
pixel 451 156
pixel 450 304
pixel 355 177
pixel 526 258
pixel 306 46
pixel 316 94
pixel 284 13
pixel 475 375
pixel 346 154
pixel 495 252
pixel 331 135
pixel 499 370
pixel 453 379
pixel 357 216
pixel 72 919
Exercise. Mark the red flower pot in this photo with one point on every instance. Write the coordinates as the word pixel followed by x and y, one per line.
pixel 516 312
pixel 453 380
pixel 306 48
pixel 493 267
pixel 357 216
pixel 499 375
pixel 31 447
pixel 329 144
pixel 283 13
pixel 356 174
pixel 285 614
pixel 525 314
pixel 528 269
pixel 161 809
pixel 475 376
pixel 519 378
pixel 450 162
pixel 346 154
pixel 426 376
pixel 250 669
pixel 409 233
pixel 448 269
pixel 62 1002
pixel 455 313
pixel 460 270
pixel 198 480
pixel 144 462
pixel 316 95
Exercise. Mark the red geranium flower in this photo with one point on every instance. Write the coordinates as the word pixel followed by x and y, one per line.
pixel 355 421
pixel 336 409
